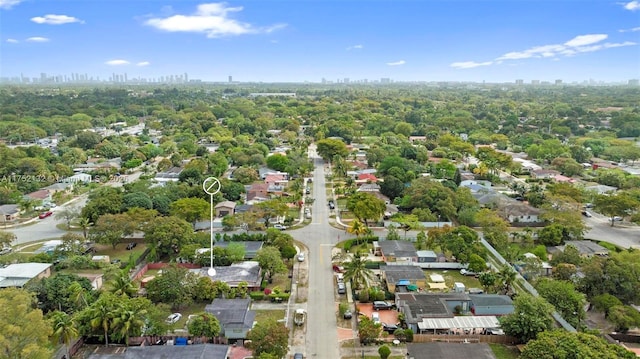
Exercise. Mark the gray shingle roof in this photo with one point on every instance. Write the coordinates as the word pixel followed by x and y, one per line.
pixel 396 273
pixel 397 248
pixel 199 351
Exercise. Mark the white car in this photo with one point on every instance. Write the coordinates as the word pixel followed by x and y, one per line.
pixel 173 318
pixel 279 226
pixel 301 257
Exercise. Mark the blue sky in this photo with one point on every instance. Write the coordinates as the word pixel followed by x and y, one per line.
pixel 305 40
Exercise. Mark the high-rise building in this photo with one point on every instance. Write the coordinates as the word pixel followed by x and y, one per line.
pixel 346 80
pixel 230 79
pixel 519 82
pixel 558 82
pixel 535 82
pixel 634 82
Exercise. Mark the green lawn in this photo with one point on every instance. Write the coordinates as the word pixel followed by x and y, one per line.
pixel 120 252
pixel 186 311
pixel 504 352
pixel 281 281
pixel 451 276
pixel 266 314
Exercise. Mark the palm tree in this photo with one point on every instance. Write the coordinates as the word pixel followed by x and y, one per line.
pixel 122 285
pixel 506 276
pixel 64 329
pixel 84 224
pixel 128 322
pixel 78 295
pixel 358 228
pixel 102 318
pixel 356 270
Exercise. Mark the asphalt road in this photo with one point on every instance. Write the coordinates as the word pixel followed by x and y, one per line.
pixel 621 234
pixel 320 238
pixel 46 228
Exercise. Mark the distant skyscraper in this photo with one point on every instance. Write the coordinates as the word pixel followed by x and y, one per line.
pixel 558 82
pixel 346 80
pixel 230 79
pixel 186 77
pixel 519 82
pixel 634 82
pixel 535 82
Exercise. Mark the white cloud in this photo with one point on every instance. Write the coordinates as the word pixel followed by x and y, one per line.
pixel 211 19
pixel 583 40
pixel 8 4
pixel 469 64
pixel 579 44
pixel 37 39
pixel 633 29
pixel 12 41
pixel 143 63
pixel 52 19
pixel 396 63
pixel 355 47
pixel 117 62
pixel 632 5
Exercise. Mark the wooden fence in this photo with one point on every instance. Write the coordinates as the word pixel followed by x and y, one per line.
pixel 499 339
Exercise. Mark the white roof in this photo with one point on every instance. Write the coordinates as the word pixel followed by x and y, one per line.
pixel 23 270
pixel 437 278
pixel 465 322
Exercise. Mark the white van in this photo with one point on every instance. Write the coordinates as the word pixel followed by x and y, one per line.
pixel 375 317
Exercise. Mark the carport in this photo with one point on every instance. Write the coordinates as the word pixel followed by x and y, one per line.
pixel 433 324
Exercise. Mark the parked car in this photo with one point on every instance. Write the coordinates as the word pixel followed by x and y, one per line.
pixel 468 272
pixel 338 268
pixel 131 245
pixel 44 215
pixel 279 226
pixel 332 206
pixel 382 305
pixel 171 319
pixel 307 191
pixel 5 250
pixel 616 219
pixel 342 289
pixel 389 328
pixel 588 205
pixel 347 314
pixel 298 356
pixel 375 317
pixel 301 257
pixel 586 214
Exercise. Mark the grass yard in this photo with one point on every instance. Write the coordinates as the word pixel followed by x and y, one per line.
pixel 451 276
pixel 120 252
pixel 503 351
pixel 263 314
pixel 282 281
pixel 186 311
pixel 293 213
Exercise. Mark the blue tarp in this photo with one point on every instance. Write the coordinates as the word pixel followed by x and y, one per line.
pixel 181 341
pixel 403 282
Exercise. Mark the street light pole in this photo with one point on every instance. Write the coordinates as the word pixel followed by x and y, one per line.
pixel 211 186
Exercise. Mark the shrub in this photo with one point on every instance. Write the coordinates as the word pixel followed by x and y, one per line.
pixel 256 295
pixel 384 352
pixel 342 308
pixel 267 291
pixel 408 333
pixel 348 244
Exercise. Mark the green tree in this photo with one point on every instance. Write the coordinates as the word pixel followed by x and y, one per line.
pixel 624 317
pixel 64 329
pixel 505 278
pixel 122 285
pixel 190 209
pixel 357 272
pixel 358 228
pixel 531 316
pixel 613 205
pixel 175 287
pixel 560 344
pixel 271 209
pixel 166 235
pixel 564 297
pixel 270 261
pixel 105 200
pixel 487 280
pixel 384 352
pixel 278 162
pixel 25 332
pixel 269 336
pixel 495 229
pixel 68 213
pixel 476 263
pixel 128 320
pixel 368 331
pixel 366 206
pixel 111 229
pixel 136 199
pixel 329 148
pixel 204 325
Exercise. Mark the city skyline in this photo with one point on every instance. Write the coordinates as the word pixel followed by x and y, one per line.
pixel 277 41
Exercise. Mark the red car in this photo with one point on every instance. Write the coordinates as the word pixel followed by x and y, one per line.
pixel 45 214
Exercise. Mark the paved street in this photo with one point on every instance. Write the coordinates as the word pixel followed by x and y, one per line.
pixel 621 234
pixel 320 237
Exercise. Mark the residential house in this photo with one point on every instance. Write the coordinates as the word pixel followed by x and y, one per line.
pixel 248 271
pixel 234 315
pixel 276 180
pixel 398 251
pixel 225 208
pixel 258 192
pixel 9 212
pixel 95 279
pixel 601 189
pixel 399 277
pixel 264 171
pixel 78 178
pixel 170 175
pixel 427 256
pixel 59 187
pixel 19 274
pixel 544 174
pixel 251 248
pixel 585 248
pixel 179 350
pixel 491 304
pixel 366 178
pixel 519 212
pixel 42 196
